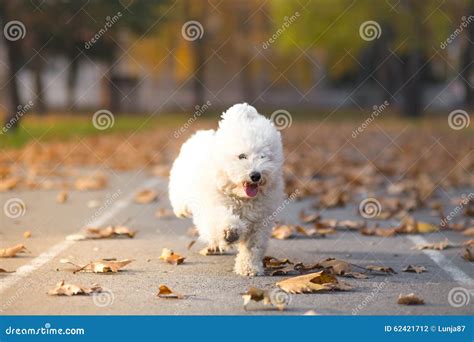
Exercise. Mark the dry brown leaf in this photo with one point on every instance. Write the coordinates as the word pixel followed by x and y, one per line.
pixel 414 269
pixel 8 183
pixel 166 293
pixel 468 232
pixel 350 224
pixel 5 271
pixel 62 197
pixel 108 232
pixel 469 208
pixel 313 282
pixel 273 263
pixel 12 251
pixel 27 234
pixel 101 266
pixel 64 289
pixel 383 232
pixel 333 198
pixel 381 269
pixel 411 226
pixel 410 299
pixel 468 242
pixel 191 244
pixel 145 196
pixel 282 232
pixel 163 213
pixel 435 245
pixel 171 257
pixel 468 253
pixel 309 218
pixel 91 182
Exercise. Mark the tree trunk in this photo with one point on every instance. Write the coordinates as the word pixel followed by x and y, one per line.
pixel 39 88
pixel 466 63
pixel 71 83
pixel 14 64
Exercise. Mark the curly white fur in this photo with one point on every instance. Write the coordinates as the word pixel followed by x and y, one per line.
pixel 211 181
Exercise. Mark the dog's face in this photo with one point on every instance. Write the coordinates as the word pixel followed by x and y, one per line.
pixel 248 155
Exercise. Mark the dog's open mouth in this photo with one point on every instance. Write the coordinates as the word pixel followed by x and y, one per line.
pixel 251 189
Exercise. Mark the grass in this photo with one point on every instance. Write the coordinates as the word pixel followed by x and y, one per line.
pixel 65 127
pixel 58 126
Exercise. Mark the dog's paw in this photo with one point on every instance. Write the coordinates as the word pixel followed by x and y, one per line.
pixel 245 267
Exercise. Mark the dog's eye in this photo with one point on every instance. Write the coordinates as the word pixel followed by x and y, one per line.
pixel 262 156
pixel 242 156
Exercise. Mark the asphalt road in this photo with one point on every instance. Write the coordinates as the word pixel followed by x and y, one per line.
pixel 209 282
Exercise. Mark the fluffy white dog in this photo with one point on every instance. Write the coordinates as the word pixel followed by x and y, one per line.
pixel 230 181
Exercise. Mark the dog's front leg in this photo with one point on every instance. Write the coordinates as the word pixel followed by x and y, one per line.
pixel 249 260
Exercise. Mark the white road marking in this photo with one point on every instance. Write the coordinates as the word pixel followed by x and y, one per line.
pixel 54 251
pixel 447 265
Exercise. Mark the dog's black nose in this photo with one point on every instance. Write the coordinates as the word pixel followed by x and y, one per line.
pixel 255 176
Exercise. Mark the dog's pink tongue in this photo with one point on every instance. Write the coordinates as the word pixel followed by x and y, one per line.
pixel 251 190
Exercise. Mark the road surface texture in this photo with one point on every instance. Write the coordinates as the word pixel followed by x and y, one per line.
pixel 208 281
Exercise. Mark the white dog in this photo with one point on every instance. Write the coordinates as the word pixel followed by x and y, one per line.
pixel 230 181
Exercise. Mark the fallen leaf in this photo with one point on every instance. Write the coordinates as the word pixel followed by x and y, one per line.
pixel 145 196
pixel 350 224
pixel 468 253
pixel 313 282
pixel 5 271
pixel 436 245
pixel 191 244
pixel 257 295
pixel 414 269
pixel 425 227
pixel 61 197
pixel 101 266
pixel 8 183
pixel 381 269
pixel 165 292
pixel 163 213
pixel 171 257
pixel 64 289
pixel 383 232
pixel 282 232
pixel 12 251
pixel 273 263
pixel 410 299
pixel 110 231
pixel 91 182
pixel 27 234
pixel 468 242
pixel 468 232
pixel 311 218
pixel 76 237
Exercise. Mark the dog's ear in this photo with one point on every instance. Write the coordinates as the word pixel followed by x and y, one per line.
pixel 239 111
